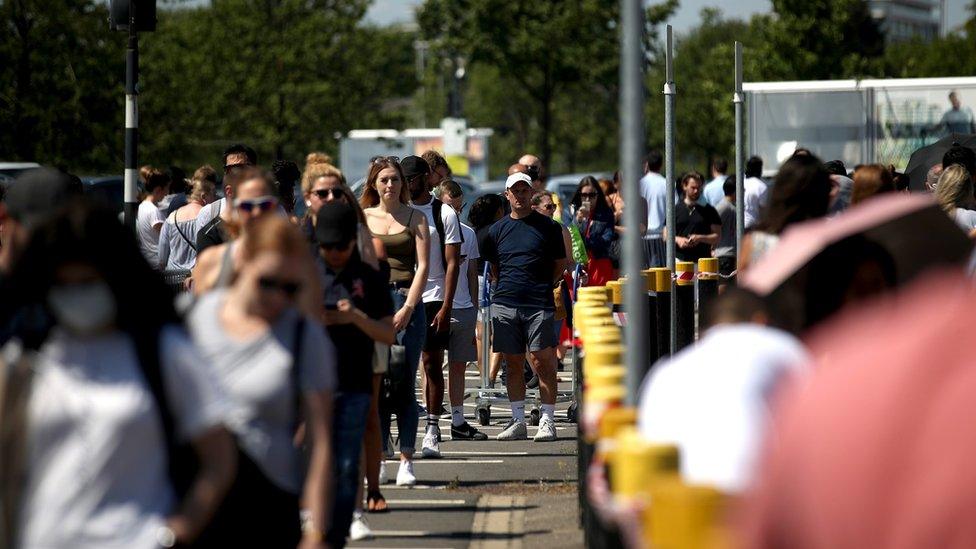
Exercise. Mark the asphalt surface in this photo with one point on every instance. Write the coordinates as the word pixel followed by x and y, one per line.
pixel 486 494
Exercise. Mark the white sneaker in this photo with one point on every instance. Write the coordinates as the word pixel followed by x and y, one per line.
pixel 547 430
pixel 405 476
pixel 384 478
pixel 516 430
pixel 359 529
pixel 430 447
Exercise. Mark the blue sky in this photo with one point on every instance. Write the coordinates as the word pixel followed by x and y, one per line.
pixel 398 11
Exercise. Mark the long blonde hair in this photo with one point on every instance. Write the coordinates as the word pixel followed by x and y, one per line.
pixel 955 188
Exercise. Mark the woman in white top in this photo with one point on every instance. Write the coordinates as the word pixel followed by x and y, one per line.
pixel 113 389
pixel 955 194
pixel 177 240
pixel 278 369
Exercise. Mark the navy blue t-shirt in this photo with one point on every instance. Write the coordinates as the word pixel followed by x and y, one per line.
pixel 525 251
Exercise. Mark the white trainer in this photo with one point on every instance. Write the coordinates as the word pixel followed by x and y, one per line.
pixel 547 430
pixel 384 477
pixel 516 430
pixel 359 529
pixel 405 476
pixel 430 447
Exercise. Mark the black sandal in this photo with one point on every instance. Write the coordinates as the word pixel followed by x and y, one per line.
pixel 376 503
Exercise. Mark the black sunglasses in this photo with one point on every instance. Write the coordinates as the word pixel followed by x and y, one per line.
pixel 549 207
pixel 334 246
pixel 588 195
pixel 289 288
pixel 335 193
pixel 391 159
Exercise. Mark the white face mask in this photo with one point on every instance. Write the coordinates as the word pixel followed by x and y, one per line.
pixel 83 309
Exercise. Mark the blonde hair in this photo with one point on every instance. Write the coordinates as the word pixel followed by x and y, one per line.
pixel 317 169
pixel 316 157
pixel 955 188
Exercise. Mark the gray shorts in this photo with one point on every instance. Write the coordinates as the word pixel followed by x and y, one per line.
pixel 515 331
pixel 461 346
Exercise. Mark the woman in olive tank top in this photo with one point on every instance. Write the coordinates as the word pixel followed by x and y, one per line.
pixel 406 237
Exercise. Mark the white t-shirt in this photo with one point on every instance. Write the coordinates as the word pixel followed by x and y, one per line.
pixel 654 190
pixel 966 219
pixel 712 401
pixel 434 291
pixel 97 474
pixel 754 198
pixel 148 219
pixel 469 253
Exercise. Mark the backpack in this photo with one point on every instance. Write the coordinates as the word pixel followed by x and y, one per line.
pixel 436 207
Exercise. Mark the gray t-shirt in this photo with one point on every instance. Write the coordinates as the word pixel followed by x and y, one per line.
pixel 97 475
pixel 257 377
pixel 726 243
pixel 966 219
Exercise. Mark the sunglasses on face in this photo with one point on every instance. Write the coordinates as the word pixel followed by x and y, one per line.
pixel 549 207
pixel 334 193
pixel 334 246
pixel 588 195
pixel 390 159
pixel 287 287
pixel 260 204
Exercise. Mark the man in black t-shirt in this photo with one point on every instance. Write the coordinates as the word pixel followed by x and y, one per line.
pixel 527 256
pixel 358 312
pixel 697 227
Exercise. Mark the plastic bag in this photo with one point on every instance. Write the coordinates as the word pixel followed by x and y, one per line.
pixel 579 248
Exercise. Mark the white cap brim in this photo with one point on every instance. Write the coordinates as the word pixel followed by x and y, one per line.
pixel 515 178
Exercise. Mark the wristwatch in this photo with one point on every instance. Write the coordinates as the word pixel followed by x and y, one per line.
pixel 165 536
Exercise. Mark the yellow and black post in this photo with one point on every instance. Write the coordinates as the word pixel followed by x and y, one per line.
pixel 685 303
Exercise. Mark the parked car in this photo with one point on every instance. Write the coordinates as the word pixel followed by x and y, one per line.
pixel 107 189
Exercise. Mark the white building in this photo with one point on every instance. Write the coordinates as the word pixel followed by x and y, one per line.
pixel 902 20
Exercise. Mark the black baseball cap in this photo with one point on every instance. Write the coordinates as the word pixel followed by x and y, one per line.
pixel 413 166
pixel 336 224
pixel 37 194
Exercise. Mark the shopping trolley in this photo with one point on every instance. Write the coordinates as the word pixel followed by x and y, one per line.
pixel 485 396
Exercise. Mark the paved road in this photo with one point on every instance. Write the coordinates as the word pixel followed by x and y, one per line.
pixel 486 494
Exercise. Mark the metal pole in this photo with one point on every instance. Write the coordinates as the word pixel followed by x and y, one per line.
pixel 669 96
pixel 631 148
pixel 131 122
pixel 740 153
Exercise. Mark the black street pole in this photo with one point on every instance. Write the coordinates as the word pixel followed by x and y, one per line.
pixel 131 121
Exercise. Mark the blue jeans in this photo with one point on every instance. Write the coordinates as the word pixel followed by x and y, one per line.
pixel 348 430
pixel 404 401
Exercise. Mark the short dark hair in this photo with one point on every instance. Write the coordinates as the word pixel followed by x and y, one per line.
pixel 720 165
pixel 285 172
pixel 729 186
pixel 836 167
pixel 735 305
pixel 155 180
pixel 754 166
pixel 177 180
pixel 435 160
pixel 240 148
pixel 482 212
pixel 964 156
pixel 654 160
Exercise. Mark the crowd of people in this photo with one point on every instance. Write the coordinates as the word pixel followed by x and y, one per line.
pixel 253 409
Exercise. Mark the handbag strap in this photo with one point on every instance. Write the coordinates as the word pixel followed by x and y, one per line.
pixel 180 231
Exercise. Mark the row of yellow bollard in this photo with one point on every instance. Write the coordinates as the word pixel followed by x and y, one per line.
pixel 642 476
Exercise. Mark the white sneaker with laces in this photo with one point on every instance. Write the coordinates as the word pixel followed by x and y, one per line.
pixel 516 430
pixel 405 476
pixel 359 529
pixel 430 447
pixel 384 478
pixel 547 430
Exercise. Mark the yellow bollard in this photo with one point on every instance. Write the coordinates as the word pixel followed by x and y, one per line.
pixel 596 402
pixel 683 516
pixel 602 355
pixel 603 376
pixel 603 334
pixel 612 422
pixel 636 465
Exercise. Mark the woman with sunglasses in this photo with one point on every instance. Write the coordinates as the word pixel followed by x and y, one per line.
pixel 277 368
pixel 406 238
pixel 595 221
pixel 253 199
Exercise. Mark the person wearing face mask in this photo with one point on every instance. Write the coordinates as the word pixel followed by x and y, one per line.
pixel 278 368
pixel 217 265
pixel 406 238
pixel 91 420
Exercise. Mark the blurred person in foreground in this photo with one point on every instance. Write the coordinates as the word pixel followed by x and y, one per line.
pixel 802 192
pixel 954 192
pixel 278 369
pixel 875 448
pixel 358 312
pixel 91 421
pixel 712 399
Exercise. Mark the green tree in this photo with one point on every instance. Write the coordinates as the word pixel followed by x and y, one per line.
pixel 544 54
pixel 60 84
